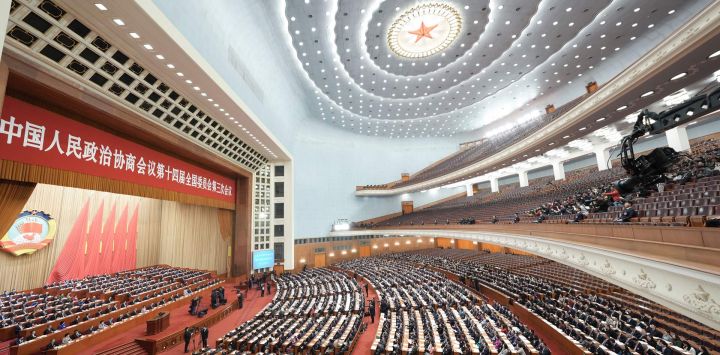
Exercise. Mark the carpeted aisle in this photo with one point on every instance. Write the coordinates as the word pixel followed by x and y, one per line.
pixel 366 339
pixel 252 305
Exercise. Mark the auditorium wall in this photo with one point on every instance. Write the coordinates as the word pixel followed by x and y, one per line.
pixel 167 233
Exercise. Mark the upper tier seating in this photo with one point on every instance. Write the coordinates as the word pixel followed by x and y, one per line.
pixel 690 195
pixel 421 311
pixel 600 316
pixel 64 312
pixel 315 311
pixel 482 149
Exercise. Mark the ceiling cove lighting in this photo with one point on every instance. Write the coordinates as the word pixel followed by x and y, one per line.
pixel 679 76
pixel 676 98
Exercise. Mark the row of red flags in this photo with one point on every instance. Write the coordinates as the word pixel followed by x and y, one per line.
pixel 99 249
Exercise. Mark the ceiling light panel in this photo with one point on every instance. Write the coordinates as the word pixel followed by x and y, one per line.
pixel 454 82
pixel 123 79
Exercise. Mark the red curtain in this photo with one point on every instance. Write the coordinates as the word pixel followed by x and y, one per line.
pixel 92 255
pixel 120 242
pixel 130 259
pixel 70 262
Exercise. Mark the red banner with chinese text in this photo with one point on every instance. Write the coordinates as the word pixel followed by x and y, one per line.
pixel 30 134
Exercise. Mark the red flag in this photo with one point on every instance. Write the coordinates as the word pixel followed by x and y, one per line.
pixel 105 259
pixel 131 252
pixel 92 255
pixel 70 262
pixel 119 242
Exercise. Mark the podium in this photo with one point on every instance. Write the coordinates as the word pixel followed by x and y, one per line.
pixel 158 323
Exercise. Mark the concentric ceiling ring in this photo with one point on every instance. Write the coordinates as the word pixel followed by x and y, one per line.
pixel 424 30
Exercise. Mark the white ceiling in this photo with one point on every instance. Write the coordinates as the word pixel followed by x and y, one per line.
pixel 508 56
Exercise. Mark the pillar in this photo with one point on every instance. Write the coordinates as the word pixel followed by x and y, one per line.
pixel 4 18
pixel 469 190
pixel 602 156
pixel 678 139
pixel 523 176
pixel 558 170
pixel 494 187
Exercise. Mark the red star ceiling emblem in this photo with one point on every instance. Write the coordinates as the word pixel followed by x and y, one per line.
pixel 423 31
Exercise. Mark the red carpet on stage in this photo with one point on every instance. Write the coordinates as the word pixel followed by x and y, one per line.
pixel 180 318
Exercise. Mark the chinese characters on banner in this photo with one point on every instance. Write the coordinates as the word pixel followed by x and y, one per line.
pixel 33 135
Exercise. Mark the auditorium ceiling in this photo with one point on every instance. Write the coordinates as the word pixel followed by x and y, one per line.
pixel 438 68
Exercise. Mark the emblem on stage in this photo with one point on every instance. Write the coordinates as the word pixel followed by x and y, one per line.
pixel 32 231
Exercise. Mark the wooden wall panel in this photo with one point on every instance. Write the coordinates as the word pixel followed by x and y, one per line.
pixel 444 243
pixel 466 244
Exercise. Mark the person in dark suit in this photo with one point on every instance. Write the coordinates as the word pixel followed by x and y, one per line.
pixel 204 336
pixel 371 309
pixel 628 213
pixel 240 300
pixel 187 335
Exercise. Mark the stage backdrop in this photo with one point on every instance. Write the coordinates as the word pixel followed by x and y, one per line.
pixel 167 233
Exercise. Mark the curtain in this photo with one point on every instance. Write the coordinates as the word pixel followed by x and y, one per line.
pixel 13 196
pixel 225 219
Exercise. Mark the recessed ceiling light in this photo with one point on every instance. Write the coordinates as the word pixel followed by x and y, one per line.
pixel 647 93
pixel 148 46
pixel 196 88
pixel 714 55
pixel 171 66
pixel 180 74
pixel 582 128
pixel 679 76
pixel 160 56
pixel 101 7
pixel 134 35
pixel 600 119
pixel 671 12
pixel 621 108
pixel 568 9
pixel 119 22
pixel 188 81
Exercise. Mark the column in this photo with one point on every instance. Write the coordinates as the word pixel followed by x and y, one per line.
pixel 603 159
pixel 678 139
pixel 523 176
pixel 558 170
pixel 494 187
pixel 469 190
pixel 4 17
